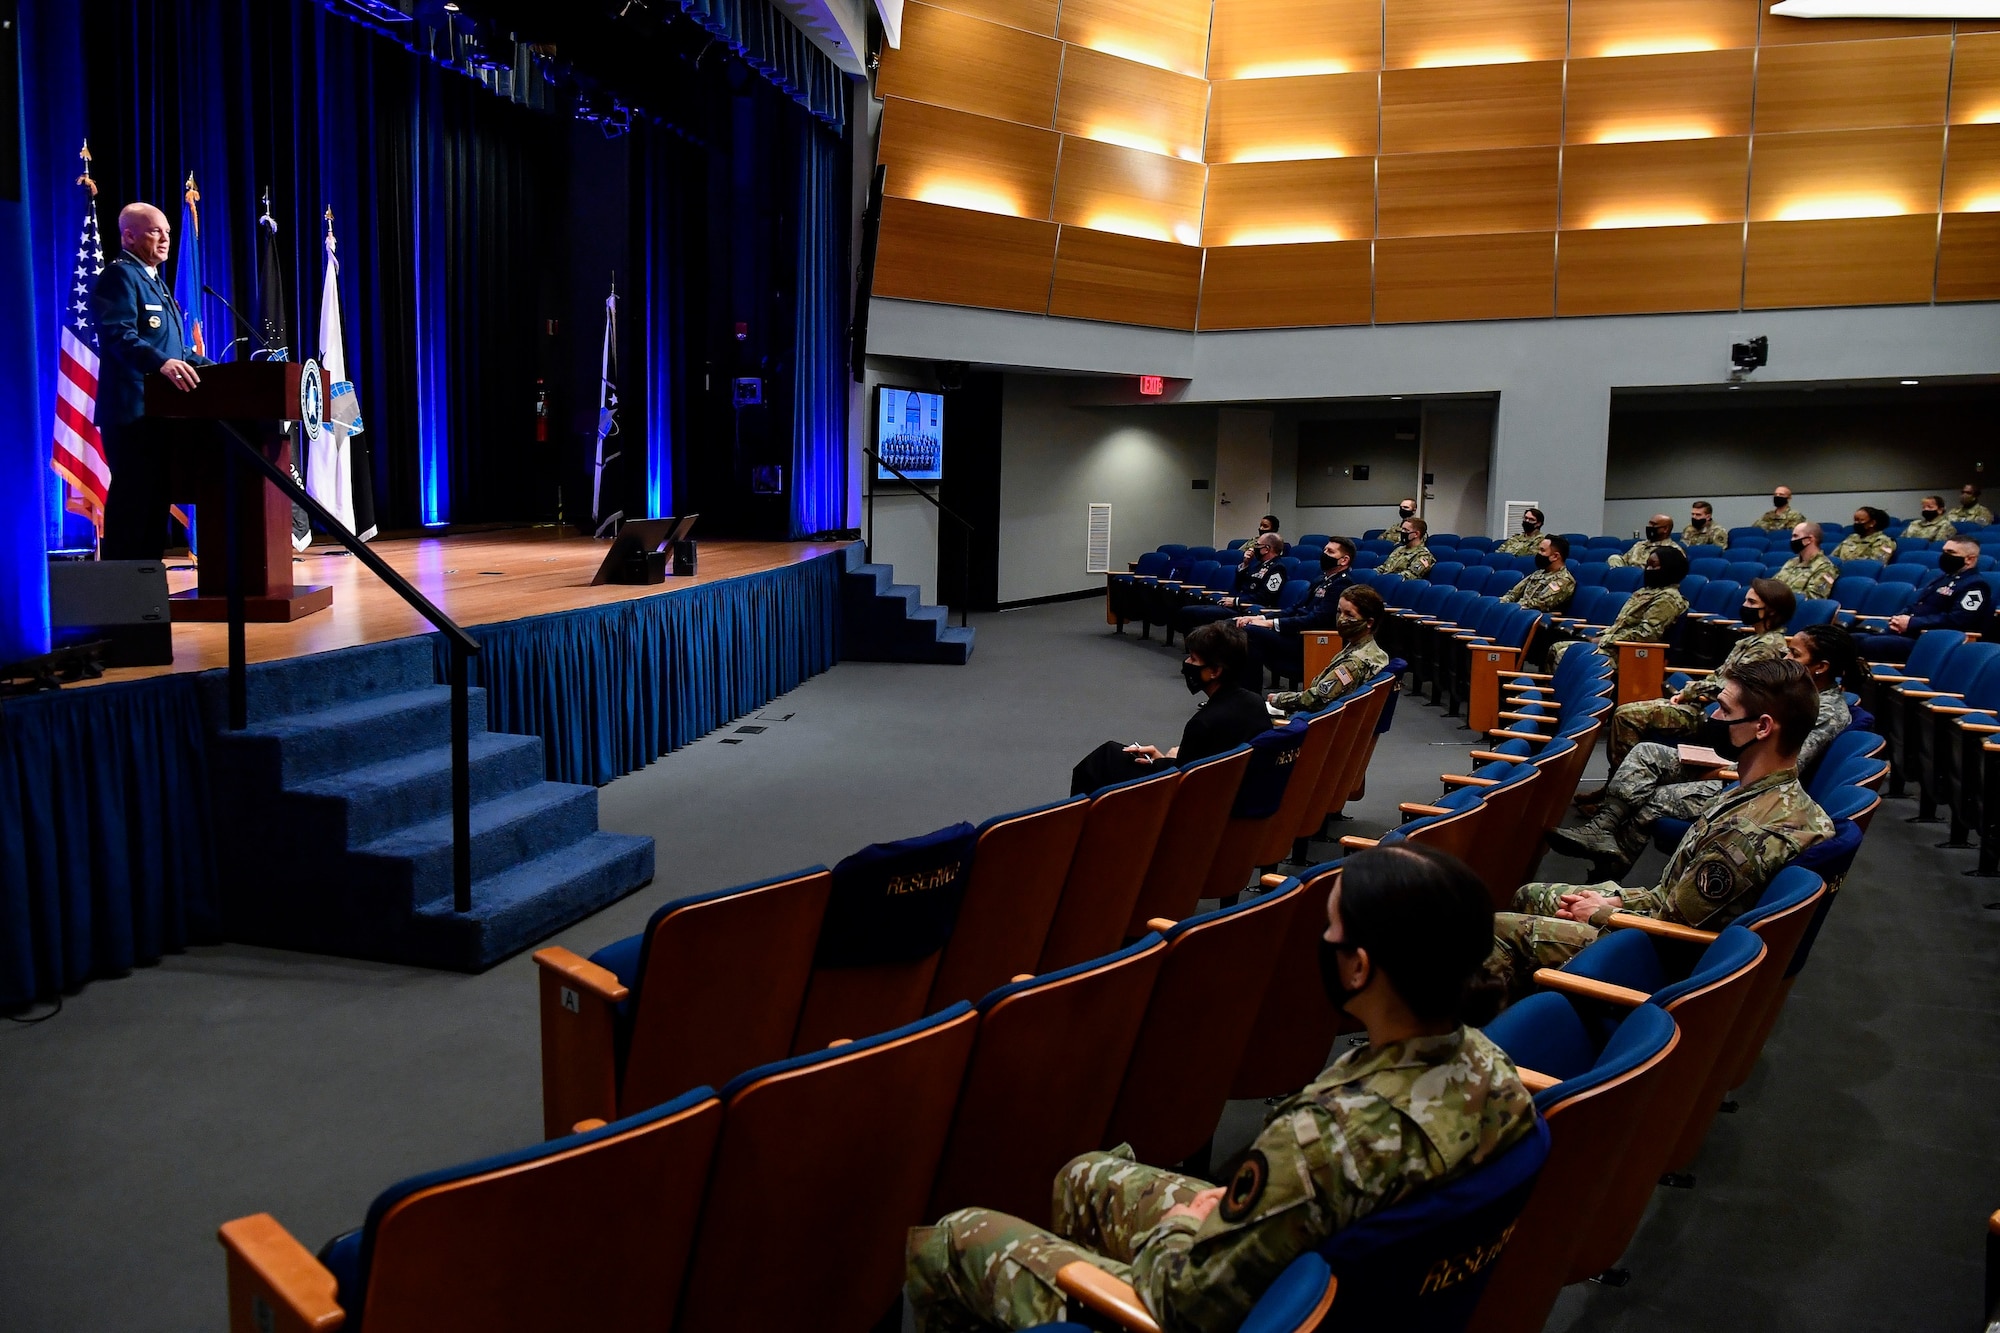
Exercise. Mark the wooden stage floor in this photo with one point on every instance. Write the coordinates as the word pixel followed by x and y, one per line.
pixel 475 578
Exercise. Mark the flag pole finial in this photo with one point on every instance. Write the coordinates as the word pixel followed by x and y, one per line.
pixel 85 179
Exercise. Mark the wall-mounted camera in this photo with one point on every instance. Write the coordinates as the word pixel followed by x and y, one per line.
pixel 1748 355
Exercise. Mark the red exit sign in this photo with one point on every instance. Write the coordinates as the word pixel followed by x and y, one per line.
pixel 1152 386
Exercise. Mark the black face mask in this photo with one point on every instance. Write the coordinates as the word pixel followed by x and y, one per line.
pixel 1192 675
pixel 1655 535
pixel 1779 502
pixel 1698 523
pixel 1715 735
pixel 1337 992
pixel 1349 626
pixel 1659 578
pixel 1798 545
pixel 1329 563
pixel 1529 525
pixel 1930 515
pixel 1406 512
pixel 1541 561
pixel 1409 539
pixel 1752 616
pixel 1950 561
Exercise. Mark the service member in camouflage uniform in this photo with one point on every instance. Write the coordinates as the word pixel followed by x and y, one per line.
pixel 1766 607
pixel 1809 574
pixel 1969 511
pixel 1653 784
pixel 1649 612
pixel 1427 1100
pixel 1413 559
pixel 1528 540
pixel 1780 515
pixel 1702 529
pixel 1659 536
pixel 1931 525
pixel 1729 854
pixel 1551 586
pixel 1265 525
pixel 1359 660
pixel 1870 539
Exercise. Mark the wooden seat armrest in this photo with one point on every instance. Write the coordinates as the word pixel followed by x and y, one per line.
pixel 1727 775
pixel 1494 757
pixel 1534 1080
pixel 1694 671
pixel 1885 677
pixel 1979 728
pixel 1516 736
pixel 1466 780
pixel 1271 881
pixel 1586 988
pixel 1351 843
pixel 1954 710
pixel 1990 746
pixel 1532 675
pixel 582 973
pixel 1092 1287
pixel 275 1284
pixel 1665 930
pixel 1525 717
pixel 1418 808
pixel 1930 694
pixel 1163 924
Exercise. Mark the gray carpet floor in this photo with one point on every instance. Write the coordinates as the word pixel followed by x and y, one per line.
pixel 1848 1192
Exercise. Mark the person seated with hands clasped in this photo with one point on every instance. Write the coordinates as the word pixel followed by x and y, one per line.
pixel 1259 581
pixel 1228 716
pixel 1357 662
pixel 1277 637
pixel 1427 1100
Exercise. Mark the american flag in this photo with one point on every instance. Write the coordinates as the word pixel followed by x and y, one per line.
pixel 78 457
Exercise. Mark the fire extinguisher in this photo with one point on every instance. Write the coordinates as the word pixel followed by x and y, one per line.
pixel 541 413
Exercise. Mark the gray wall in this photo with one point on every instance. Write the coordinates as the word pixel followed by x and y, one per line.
pixel 905 528
pixel 1554 377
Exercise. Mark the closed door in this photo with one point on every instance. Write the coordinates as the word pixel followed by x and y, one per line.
pixel 1242 472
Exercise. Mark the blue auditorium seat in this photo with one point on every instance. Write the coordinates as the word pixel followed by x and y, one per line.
pixel 1709 567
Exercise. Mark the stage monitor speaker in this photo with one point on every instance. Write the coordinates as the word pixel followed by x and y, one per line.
pixel 684 554
pixel 121 602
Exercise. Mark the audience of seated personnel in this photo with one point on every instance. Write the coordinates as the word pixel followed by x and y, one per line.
pixel 1957 597
pixel 1426 1100
pixel 1780 515
pixel 1969 512
pixel 1413 559
pixel 1277 637
pixel 1357 662
pixel 1228 715
pixel 1267 524
pixel 1659 535
pixel 1529 539
pixel 1870 539
pixel 1767 605
pixel 1809 574
pixel 1701 529
pixel 1259 581
pixel 1551 586
pixel 1930 524
pixel 1650 611
pixel 1764 712
pixel 1654 783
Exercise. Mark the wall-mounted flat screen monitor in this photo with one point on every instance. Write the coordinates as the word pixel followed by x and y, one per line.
pixel 909 434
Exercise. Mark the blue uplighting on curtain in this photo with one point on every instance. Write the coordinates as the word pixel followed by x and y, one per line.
pixel 819 378
pixel 24 570
pixel 428 300
pixel 661 313
pixel 774 46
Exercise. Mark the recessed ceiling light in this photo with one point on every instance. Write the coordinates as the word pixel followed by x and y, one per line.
pixel 1909 381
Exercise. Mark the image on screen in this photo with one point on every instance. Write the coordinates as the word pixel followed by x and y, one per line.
pixel 909 434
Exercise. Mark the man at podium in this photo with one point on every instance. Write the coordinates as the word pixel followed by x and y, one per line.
pixel 139 330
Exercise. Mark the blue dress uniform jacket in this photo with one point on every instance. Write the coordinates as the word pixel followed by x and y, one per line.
pixel 1961 601
pixel 139 329
pixel 1260 583
pixel 1319 610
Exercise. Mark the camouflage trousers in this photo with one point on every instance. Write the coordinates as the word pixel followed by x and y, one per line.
pixel 1533 936
pixel 1633 722
pixel 1650 785
pixel 978 1269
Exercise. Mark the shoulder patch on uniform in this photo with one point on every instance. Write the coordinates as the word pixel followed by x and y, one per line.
pixel 1246 1187
pixel 1714 880
pixel 1974 599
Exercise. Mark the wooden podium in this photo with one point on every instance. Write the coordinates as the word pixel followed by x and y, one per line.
pixel 253 396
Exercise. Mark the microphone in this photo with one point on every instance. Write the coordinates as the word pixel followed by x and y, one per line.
pixel 250 333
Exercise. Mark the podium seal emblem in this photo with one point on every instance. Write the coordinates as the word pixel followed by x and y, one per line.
pixel 312 399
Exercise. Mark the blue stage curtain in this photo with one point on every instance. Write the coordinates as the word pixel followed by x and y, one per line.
pixel 105 853
pixel 773 46
pixel 659 160
pixel 24 573
pixel 819 374
pixel 612 688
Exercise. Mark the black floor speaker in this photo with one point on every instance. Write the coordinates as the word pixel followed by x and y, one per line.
pixel 684 557
pixel 120 602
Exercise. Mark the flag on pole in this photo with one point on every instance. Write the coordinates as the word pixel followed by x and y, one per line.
pixel 607 412
pixel 274 330
pixel 187 295
pixel 329 468
pixel 78 453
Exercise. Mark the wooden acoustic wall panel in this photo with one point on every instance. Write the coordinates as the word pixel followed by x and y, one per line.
pixel 1779 31
pixel 1623 99
pixel 1473 32
pixel 1975 79
pixel 968 64
pixel 1110 188
pixel 1472 106
pixel 1650 27
pixel 1038 16
pixel 1274 120
pixel 1439 194
pixel 1265 203
pixel 1845 261
pixel 1677 182
pixel 1972 169
pixel 1853 85
pixel 1969 257
pixel 943 156
pixel 1261 39
pixel 1124 102
pixel 1465 277
pixel 1172 34
pixel 1125 279
pixel 1286 286
pixel 1845 173
pixel 931 253
pixel 1648 270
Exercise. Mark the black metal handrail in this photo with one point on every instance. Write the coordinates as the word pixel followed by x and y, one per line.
pixel 964 536
pixel 463 645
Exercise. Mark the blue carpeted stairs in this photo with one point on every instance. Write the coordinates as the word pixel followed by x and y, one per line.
pixel 885 621
pixel 338 836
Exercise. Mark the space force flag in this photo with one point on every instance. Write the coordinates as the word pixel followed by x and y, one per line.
pixel 330 468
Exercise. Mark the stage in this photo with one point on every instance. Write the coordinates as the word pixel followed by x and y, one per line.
pixel 475 578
